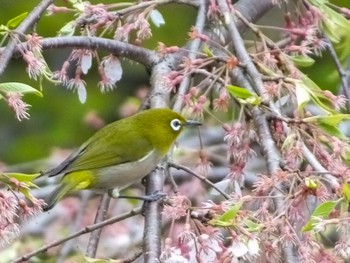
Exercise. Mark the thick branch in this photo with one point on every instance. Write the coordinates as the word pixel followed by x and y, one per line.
pixel 138 54
pixel 155 181
pixel 153 220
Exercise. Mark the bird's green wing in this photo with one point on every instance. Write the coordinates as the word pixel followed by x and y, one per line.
pixel 98 155
pixel 108 147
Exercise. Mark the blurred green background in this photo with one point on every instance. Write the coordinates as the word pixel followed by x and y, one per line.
pixel 57 119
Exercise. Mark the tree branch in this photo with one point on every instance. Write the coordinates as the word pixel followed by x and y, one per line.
pixel 83 231
pixel 32 18
pixel 100 217
pixel 193 48
pixel 138 54
pixel 159 98
pixel 253 82
pixel 252 10
pixel 202 178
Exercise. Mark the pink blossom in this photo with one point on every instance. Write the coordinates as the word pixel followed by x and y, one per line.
pixel 18 105
pixel 35 67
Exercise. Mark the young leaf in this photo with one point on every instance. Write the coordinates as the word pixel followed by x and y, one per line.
pixel 239 92
pixel 316 94
pixel 226 218
pixel 302 61
pixel 323 210
pixel 311 184
pixel 14 22
pixel 252 226
pixel 332 130
pixel 25 178
pixel 208 51
pixel 18 87
pixel 332 120
pixel 243 95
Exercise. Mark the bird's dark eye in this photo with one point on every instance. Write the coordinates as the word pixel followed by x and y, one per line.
pixel 175 124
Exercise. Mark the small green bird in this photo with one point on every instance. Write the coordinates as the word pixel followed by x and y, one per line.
pixel 119 154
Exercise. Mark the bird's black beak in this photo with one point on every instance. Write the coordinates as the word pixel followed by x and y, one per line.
pixel 192 123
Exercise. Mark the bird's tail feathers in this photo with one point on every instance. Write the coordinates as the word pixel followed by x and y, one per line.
pixel 60 191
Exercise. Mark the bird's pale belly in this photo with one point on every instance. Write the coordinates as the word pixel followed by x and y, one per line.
pixel 124 175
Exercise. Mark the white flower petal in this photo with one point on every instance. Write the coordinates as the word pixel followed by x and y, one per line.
pixel 238 249
pixel 222 185
pixel 86 62
pixel 113 69
pixel 81 94
pixel 157 18
pixel 253 246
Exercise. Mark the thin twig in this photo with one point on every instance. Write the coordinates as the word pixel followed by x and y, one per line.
pixel 83 231
pixel 194 46
pixel 200 177
pixel 100 217
pixel 342 73
pixel 132 258
pixel 68 246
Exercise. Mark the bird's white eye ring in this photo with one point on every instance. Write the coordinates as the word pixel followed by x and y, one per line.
pixel 175 124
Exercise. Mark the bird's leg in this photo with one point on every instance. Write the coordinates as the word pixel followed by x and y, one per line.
pixel 114 193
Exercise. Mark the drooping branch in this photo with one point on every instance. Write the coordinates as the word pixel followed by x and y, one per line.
pixel 135 53
pixel 253 82
pixel 193 48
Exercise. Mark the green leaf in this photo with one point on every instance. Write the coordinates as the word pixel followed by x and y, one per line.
pixel 332 120
pixel 244 95
pixel 316 94
pixel 255 100
pixel 346 191
pixel 323 210
pixel 329 123
pixel 302 61
pixel 14 22
pixel 239 92
pixel 311 184
pixel 18 87
pixel 252 226
pixel 24 178
pixel 226 218
pixel 4 30
pixel 332 130
pixel 207 51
